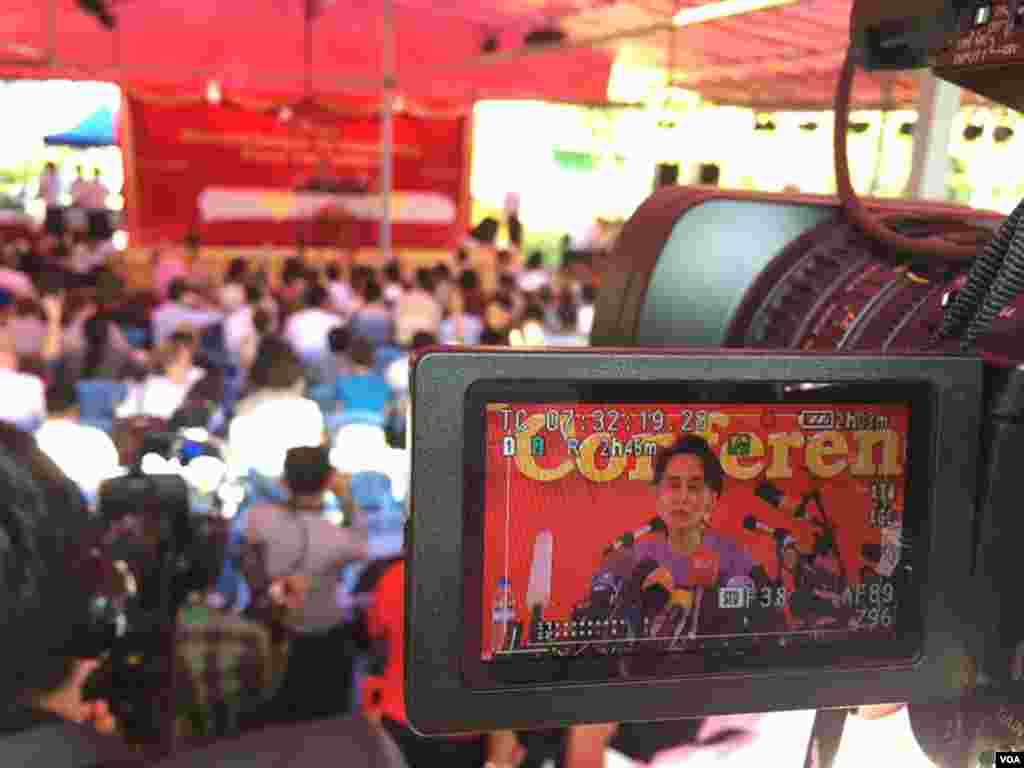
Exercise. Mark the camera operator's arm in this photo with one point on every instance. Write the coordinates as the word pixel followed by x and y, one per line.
pixel 586 745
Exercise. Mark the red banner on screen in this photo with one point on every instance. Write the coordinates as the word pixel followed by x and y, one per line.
pixel 241 176
pixel 580 479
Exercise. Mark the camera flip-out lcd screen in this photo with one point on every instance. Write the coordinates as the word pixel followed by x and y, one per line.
pixel 677 536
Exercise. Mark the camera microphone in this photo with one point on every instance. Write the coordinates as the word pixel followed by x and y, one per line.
pixel 782 535
pixel 656 525
pixel 538 593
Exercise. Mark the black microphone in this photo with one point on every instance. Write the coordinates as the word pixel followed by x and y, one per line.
pixel 751 523
pixel 656 525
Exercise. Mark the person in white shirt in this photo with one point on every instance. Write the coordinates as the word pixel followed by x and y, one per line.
pixel 86 454
pixel 161 394
pixel 241 334
pixel 307 330
pixel 418 310
pixel 24 396
pixel 535 277
pixel 50 192
pixel 77 220
pixel 393 286
pixel 95 201
pixel 274 416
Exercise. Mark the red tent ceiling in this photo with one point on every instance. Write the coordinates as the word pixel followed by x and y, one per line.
pixel 777 58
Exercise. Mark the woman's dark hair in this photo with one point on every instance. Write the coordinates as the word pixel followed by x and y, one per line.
pixel 393 272
pixel 61 396
pixel 692 445
pixel 238 268
pixel 97 335
pixel 372 291
pixel 361 352
pixel 442 272
pixel 42 522
pixel 333 272
pixel 275 367
pixel 588 293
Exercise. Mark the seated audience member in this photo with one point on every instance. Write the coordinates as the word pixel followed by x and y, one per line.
pixel 28 325
pixel 535 277
pixel 339 340
pixel 44 720
pixel 182 308
pixel 364 393
pixel 443 284
pixel 12 280
pixel 232 291
pixel 240 333
pixel 168 265
pixel 23 401
pixel 92 351
pixel 307 330
pixel 464 322
pixel 394 286
pixel 373 321
pixel 339 290
pixel 275 416
pixel 300 542
pixel 86 454
pixel 294 284
pixel 232 665
pixel 162 393
pixel 417 310
pixel 585 316
pixel 384 692
pixel 397 374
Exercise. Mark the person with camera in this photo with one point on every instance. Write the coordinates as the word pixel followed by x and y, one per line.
pixel 44 717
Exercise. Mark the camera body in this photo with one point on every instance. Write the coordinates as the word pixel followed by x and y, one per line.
pixel 515 453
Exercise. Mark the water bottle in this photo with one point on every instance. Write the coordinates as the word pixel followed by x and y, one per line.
pixel 502 615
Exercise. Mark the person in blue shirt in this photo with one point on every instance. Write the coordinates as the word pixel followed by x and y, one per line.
pixel 364 395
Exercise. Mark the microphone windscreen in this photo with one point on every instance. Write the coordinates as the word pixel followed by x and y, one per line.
pixel 750 523
pixel 770 493
pixel 538 592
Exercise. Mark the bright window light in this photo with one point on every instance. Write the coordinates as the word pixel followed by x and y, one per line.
pixel 711 11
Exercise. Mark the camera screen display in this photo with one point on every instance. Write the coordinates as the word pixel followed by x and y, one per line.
pixel 747 532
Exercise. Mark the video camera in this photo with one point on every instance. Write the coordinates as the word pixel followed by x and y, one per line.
pixel 160 535
pixel 855 406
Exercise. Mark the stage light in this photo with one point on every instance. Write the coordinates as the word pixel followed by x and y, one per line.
pixel 859 127
pixel 907 129
pixel 1002 134
pixel 490 44
pixel 721 10
pixel 809 126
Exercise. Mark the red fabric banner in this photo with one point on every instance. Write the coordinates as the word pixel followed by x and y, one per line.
pixel 242 176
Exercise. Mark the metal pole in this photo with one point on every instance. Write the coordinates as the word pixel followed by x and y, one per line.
pixel 938 105
pixel 387 129
pixel 51 21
